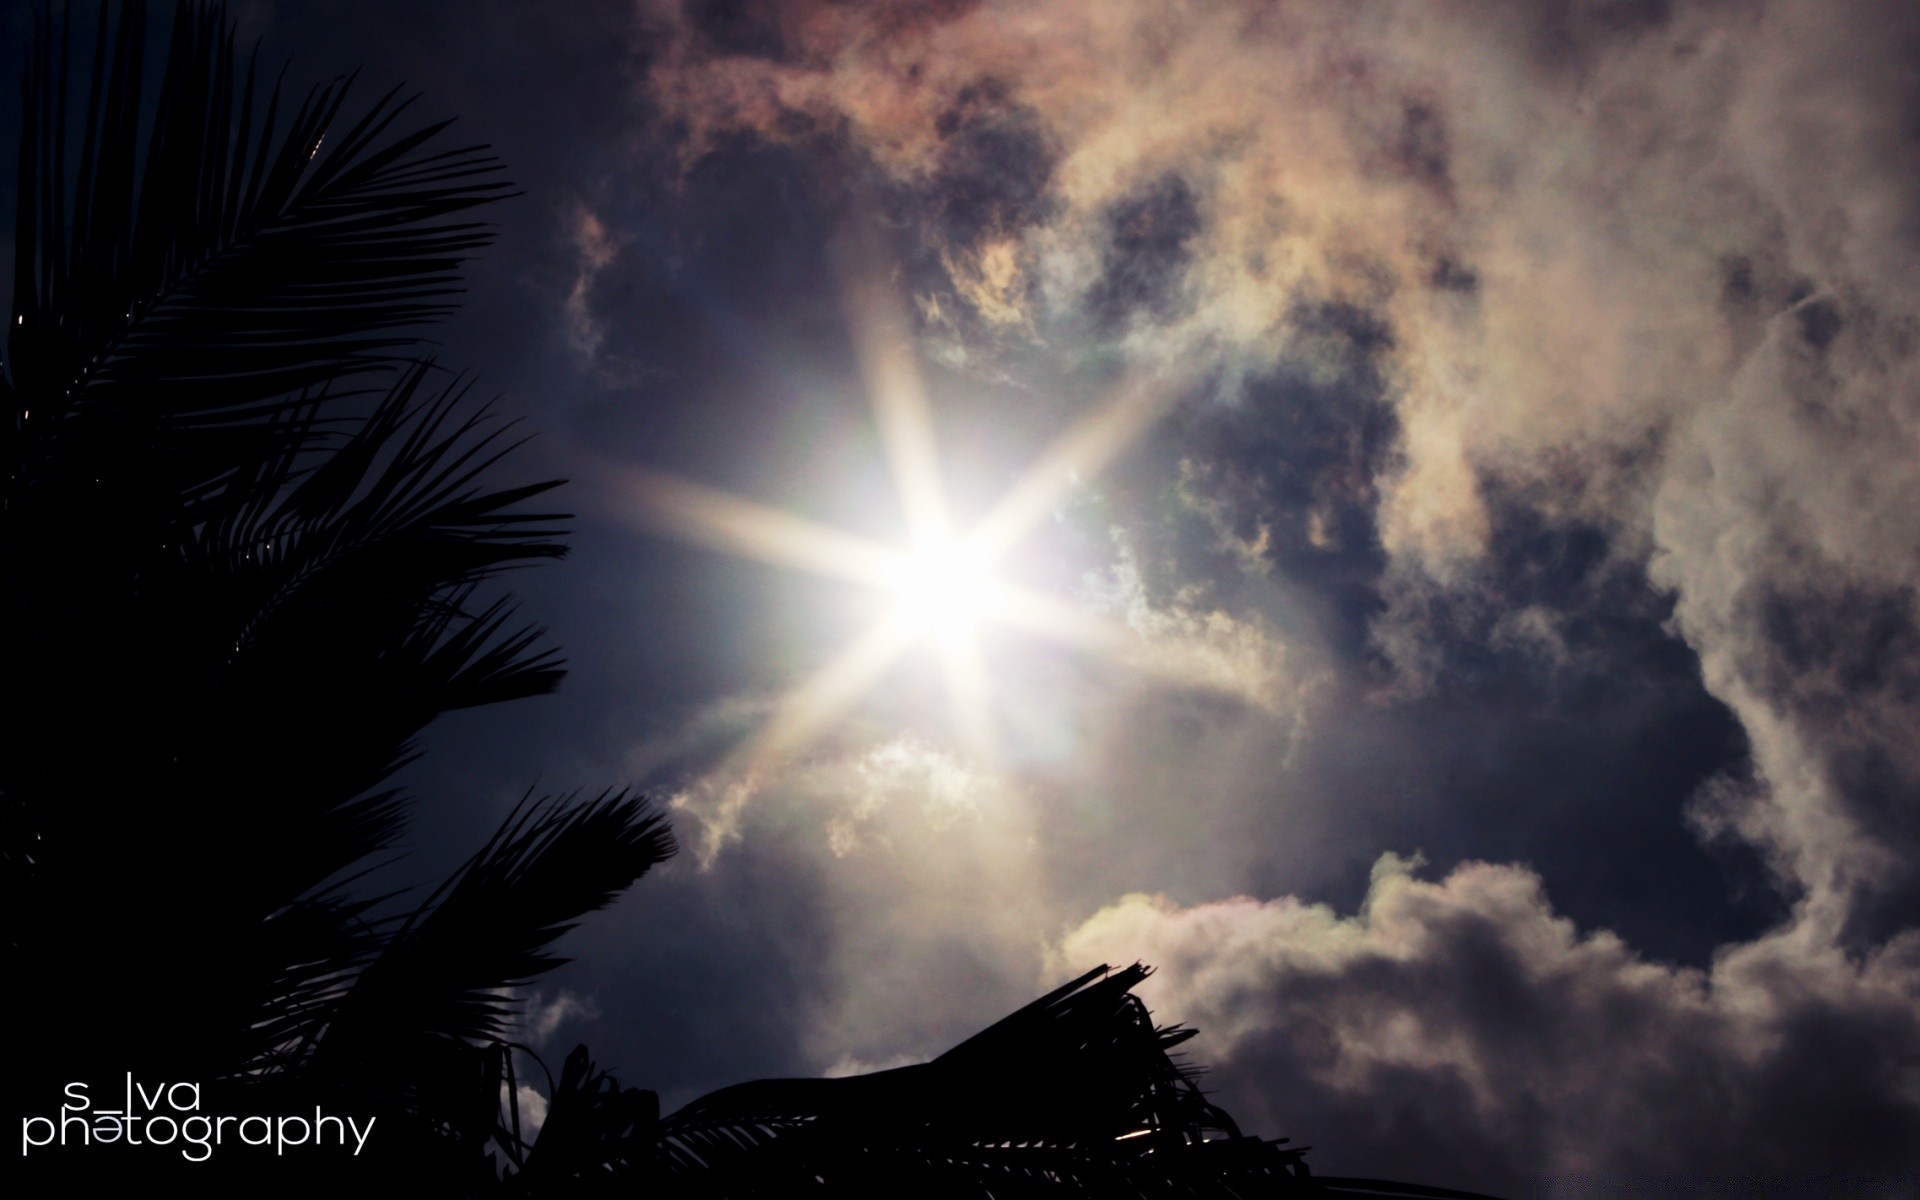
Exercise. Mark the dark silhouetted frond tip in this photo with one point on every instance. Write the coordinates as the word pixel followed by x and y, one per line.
pixel 213 253
pixel 480 662
pixel 598 1138
pixel 1073 1094
pixel 490 927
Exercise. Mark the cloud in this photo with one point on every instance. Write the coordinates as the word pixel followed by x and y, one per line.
pixel 928 868
pixel 842 1067
pixel 1524 276
pixel 852 789
pixel 904 771
pixel 1464 1022
pixel 532 1108
pixel 1186 642
pixel 543 1017
pixel 1643 266
pixel 717 802
pixel 596 248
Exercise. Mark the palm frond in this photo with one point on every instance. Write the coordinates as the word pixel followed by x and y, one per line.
pixel 322 629
pixel 490 927
pixel 231 554
pixel 598 1137
pixel 1074 1094
pixel 216 254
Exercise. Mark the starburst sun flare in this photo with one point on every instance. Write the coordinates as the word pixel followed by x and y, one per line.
pixel 943 585
pixel 944 590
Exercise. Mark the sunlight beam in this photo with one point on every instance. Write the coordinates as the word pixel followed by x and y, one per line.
pixel 1081 453
pixel 970 691
pixel 890 364
pixel 722 522
pixel 828 693
pixel 1051 617
pixel 1181 660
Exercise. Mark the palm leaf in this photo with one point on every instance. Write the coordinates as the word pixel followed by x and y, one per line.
pixel 1074 1094
pixel 490 927
pixel 230 554
pixel 234 261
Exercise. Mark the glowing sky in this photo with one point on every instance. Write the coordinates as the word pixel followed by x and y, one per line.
pixel 1400 515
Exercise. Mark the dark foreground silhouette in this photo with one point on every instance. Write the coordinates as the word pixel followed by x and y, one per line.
pixel 1074 1094
pixel 249 548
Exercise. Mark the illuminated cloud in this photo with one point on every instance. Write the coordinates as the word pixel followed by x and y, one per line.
pixel 927 872
pixel 596 248
pixel 543 1017
pixel 1641 265
pixel 1641 272
pixel 1464 1020
pixel 1187 641
pixel 904 771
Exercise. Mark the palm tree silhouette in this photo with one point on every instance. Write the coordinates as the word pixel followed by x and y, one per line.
pixel 244 542
pixel 247 545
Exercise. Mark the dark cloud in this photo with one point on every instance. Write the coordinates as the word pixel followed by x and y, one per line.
pixel 1450 275
pixel 1422 149
pixel 1568 38
pixel 737 27
pixel 1290 464
pixel 1150 233
pixel 994 167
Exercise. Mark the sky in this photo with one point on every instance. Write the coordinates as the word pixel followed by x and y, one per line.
pixel 1450 471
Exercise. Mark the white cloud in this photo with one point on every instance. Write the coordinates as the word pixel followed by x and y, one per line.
pixel 1507 1031
pixel 542 1016
pixel 1189 643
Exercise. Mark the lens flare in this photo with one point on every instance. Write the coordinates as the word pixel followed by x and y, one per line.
pixel 942 586
pixel 943 589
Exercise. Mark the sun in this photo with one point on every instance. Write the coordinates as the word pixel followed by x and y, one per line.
pixel 942 588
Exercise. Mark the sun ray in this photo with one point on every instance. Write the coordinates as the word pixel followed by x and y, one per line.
pixel 1080 454
pixel 724 522
pixel 1054 618
pixel 828 693
pixel 971 693
pixel 1181 660
pixel 891 368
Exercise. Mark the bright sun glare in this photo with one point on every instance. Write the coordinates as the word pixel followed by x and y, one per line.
pixel 943 588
